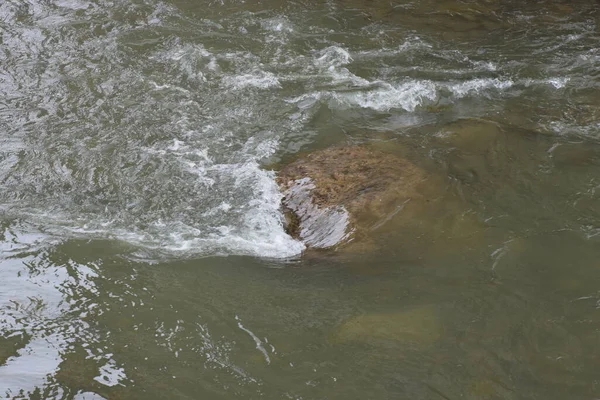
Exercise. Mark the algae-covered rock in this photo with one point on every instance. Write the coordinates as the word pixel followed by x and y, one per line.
pixel 339 194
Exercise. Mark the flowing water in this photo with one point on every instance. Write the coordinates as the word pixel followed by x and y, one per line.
pixel 142 252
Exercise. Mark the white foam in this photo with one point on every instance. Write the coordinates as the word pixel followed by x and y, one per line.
pixel 343 75
pixel 257 230
pixel 223 207
pixel 558 83
pixel 485 65
pixel 333 56
pixel 88 396
pixel 476 86
pixel 563 128
pixel 277 24
pixel 263 223
pixel 193 183
pixel 257 79
pixel 414 42
pixel 73 4
pixel 407 96
pixel 194 61
pixel 242 216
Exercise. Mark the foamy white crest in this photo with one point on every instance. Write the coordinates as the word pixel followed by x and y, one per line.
pixel 414 42
pixel 477 85
pixel 249 223
pixel 257 79
pixel 192 60
pixel 564 128
pixel 485 65
pixel 383 96
pixel 88 396
pixel 277 24
pixel 259 149
pixel 341 75
pixel 264 224
pixel 221 208
pixel 332 56
pixel 258 233
pixel 407 96
pixel 411 43
pixel 73 4
pixel 306 101
pixel 558 83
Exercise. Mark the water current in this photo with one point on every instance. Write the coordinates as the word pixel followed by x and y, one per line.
pixel 142 249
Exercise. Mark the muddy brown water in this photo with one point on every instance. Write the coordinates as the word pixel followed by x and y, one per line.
pixel 142 252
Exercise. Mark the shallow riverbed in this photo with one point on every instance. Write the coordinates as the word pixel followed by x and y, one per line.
pixel 142 252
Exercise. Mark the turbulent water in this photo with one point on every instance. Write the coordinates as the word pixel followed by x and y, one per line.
pixel 137 142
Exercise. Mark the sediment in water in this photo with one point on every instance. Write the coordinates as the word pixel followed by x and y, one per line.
pixel 420 326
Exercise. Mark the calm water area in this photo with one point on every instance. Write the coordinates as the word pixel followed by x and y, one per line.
pixel 142 250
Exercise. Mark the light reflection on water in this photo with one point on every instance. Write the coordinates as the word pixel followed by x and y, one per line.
pixel 132 136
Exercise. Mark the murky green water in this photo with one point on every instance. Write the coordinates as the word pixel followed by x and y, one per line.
pixel 142 252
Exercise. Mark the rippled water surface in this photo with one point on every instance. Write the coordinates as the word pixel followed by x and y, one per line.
pixel 142 252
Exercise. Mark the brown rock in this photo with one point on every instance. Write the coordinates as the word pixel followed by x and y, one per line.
pixel 335 195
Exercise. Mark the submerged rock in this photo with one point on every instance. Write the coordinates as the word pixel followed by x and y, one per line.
pixel 335 195
pixel 419 325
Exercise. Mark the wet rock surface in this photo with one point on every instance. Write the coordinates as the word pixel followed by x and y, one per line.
pixel 339 194
pixel 370 196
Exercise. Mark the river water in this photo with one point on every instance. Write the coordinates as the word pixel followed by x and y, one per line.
pixel 142 253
